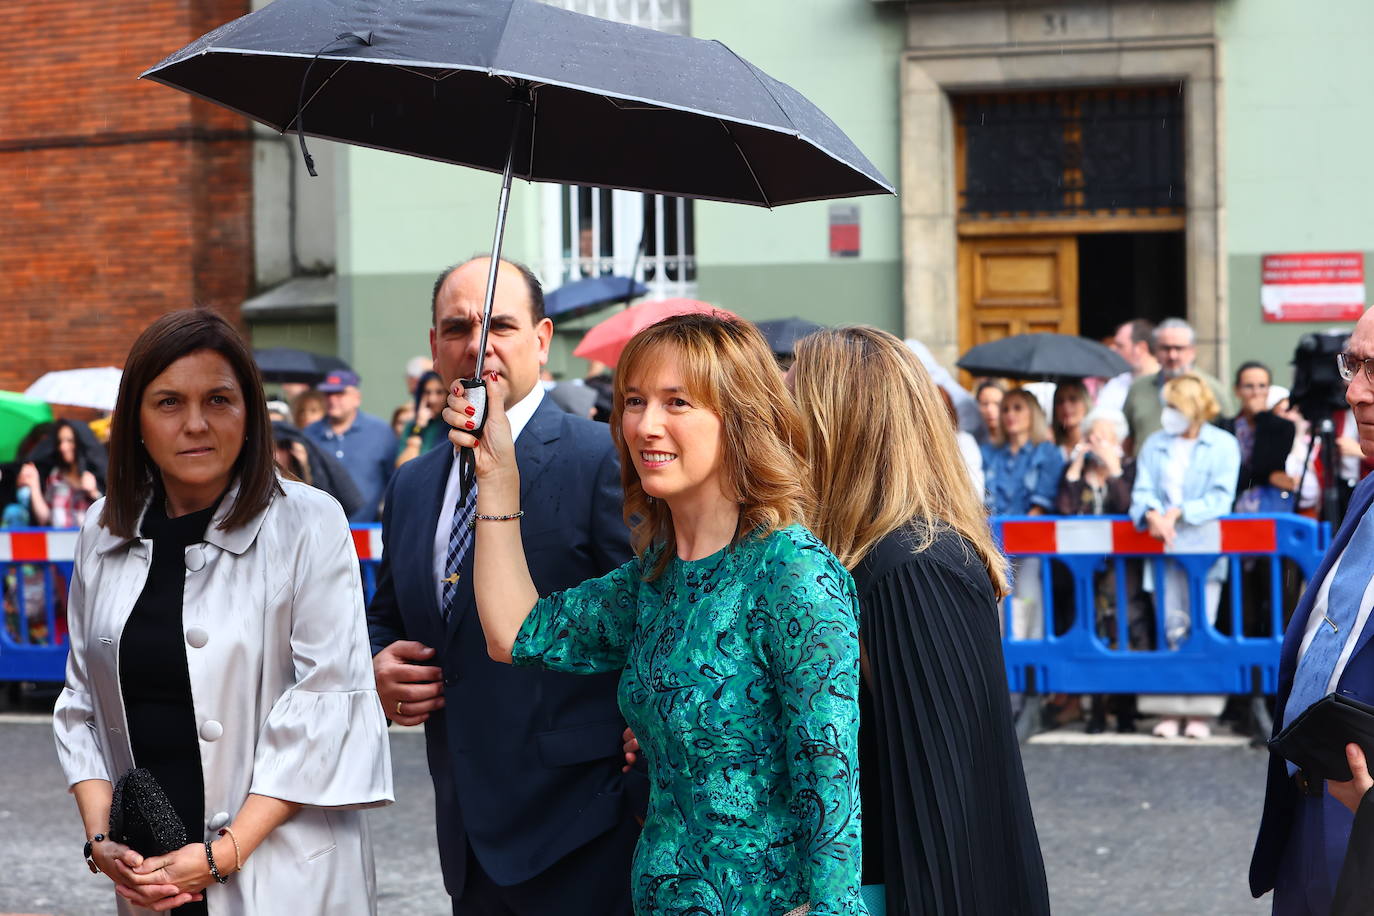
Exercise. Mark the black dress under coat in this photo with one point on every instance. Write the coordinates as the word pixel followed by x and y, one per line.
pixel 947 818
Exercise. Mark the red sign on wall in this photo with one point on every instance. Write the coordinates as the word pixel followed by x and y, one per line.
pixel 1323 286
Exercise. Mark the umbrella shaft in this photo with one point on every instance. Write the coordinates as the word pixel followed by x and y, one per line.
pixel 502 206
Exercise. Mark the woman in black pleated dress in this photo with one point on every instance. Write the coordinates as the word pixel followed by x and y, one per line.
pixel 947 819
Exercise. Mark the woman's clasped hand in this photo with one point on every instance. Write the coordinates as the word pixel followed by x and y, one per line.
pixel 165 882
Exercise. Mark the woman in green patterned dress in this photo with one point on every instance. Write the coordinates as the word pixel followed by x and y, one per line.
pixel 734 629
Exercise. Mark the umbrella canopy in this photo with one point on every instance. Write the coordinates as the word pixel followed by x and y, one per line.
pixel 609 105
pixel 604 342
pixel 1043 356
pixel 583 296
pixel 782 334
pixel 285 364
pixel 18 415
pixel 94 388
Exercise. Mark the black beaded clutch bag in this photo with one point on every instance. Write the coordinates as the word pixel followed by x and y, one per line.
pixel 142 817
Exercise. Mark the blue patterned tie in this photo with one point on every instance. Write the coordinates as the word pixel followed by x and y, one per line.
pixel 1342 607
pixel 459 542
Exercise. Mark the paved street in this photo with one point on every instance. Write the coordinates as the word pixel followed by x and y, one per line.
pixel 1126 829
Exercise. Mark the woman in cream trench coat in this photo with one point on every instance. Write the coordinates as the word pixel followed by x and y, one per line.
pixel 283 691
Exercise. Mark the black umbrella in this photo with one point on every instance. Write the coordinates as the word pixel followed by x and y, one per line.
pixel 582 297
pixel 285 364
pixel 528 90
pixel 782 334
pixel 1043 356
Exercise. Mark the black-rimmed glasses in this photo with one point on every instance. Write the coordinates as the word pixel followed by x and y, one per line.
pixel 1348 364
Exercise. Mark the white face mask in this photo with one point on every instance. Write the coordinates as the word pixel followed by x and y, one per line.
pixel 1173 421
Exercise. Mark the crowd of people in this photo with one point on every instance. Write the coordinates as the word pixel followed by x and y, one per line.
pixel 680 652
pixel 1173 449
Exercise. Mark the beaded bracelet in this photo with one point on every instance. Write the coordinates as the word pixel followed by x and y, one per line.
pixel 210 857
pixel 477 516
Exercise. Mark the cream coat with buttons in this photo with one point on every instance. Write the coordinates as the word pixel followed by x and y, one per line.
pixel 281 681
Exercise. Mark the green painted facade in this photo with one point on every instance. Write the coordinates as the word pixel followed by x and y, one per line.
pixel 1296 139
pixel 402 220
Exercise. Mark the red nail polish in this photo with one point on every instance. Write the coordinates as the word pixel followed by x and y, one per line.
pixel 470 411
pixel 469 425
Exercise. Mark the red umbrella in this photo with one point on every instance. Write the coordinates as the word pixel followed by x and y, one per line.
pixel 604 342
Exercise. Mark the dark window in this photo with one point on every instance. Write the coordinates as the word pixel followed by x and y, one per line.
pixel 1091 151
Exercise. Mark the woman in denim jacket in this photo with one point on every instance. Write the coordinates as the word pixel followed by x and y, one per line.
pixel 1185 477
pixel 1022 478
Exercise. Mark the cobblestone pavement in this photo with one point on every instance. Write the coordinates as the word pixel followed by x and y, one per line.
pixel 1126 829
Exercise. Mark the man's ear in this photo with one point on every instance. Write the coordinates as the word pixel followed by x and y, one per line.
pixel 544 332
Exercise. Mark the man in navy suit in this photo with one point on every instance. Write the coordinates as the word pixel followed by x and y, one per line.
pixel 533 813
pixel 1306 824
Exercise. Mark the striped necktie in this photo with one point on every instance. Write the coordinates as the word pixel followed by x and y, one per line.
pixel 459 543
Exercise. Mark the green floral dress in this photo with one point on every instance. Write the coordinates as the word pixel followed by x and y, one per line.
pixel 740 678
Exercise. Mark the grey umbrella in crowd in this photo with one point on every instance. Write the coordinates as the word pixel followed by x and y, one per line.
pixel 528 90
pixel 1043 355
pixel 782 334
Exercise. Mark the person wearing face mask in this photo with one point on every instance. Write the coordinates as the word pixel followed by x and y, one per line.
pixel 1175 346
pixel 1185 477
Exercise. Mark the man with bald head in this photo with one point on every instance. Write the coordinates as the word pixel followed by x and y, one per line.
pixel 1306 824
pixel 533 813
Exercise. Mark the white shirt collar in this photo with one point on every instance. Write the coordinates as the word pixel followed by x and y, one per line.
pixel 519 413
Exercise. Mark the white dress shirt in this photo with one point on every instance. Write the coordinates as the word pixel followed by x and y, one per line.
pixel 1318 619
pixel 519 415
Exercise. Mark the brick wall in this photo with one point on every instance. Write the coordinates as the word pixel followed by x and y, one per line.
pixel 111 212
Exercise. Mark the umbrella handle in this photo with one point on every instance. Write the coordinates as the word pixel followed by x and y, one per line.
pixel 475 390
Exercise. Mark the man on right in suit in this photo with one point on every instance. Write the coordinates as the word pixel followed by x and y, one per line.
pixel 1305 829
pixel 532 811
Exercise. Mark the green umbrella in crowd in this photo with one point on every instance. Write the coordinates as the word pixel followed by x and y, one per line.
pixel 18 415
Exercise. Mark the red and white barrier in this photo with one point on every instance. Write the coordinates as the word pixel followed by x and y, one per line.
pixel 60 546
pixel 38 546
pixel 1108 536
pixel 368 542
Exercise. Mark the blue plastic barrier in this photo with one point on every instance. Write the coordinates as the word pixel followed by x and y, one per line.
pixel 1207 661
pixel 33 644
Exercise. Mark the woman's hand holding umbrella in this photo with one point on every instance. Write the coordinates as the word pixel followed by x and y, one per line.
pixel 501 580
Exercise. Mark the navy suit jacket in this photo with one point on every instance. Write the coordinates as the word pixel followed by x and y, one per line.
pixel 1314 861
pixel 526 763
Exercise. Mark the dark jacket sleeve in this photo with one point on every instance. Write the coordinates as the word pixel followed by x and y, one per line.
pixel 1119 489
pixel 384 624
pixel 1273 441
pixel 1069 500
pixel 1118 502
pixel 957 831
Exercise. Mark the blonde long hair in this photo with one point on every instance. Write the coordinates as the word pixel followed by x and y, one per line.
pixel 728 369
pixel 883 453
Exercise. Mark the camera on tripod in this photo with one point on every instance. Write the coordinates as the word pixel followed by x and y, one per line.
pixel 1318 393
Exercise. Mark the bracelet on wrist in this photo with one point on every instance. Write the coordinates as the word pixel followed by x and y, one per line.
pixel 478 516
pixel 238 854
pixel 86 851
pixel 214 872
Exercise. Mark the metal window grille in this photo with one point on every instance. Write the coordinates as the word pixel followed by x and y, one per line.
pixel 590 232
pixel 1094 151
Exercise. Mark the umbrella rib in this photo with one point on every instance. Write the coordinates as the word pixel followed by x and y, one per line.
pixel 747 164
pixel 752 71
pixel 318 90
